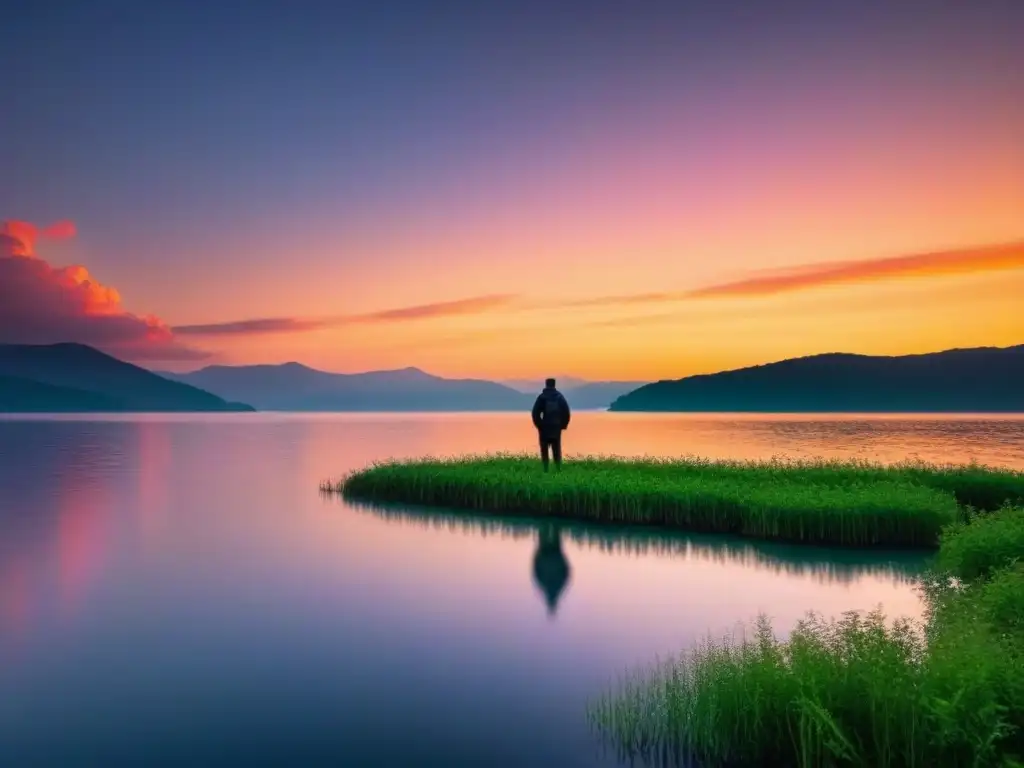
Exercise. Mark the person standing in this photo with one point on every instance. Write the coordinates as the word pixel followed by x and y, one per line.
pixel 551 416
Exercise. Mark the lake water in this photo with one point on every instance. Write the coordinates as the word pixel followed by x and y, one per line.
pixel 175 591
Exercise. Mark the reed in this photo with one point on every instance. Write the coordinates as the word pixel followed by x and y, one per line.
pixel 835 503
pixel 858 691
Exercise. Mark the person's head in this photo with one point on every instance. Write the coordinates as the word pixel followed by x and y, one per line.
pixel 549 383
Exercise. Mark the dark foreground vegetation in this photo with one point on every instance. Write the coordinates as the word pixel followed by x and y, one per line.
pixel 859 691
pixel 837 503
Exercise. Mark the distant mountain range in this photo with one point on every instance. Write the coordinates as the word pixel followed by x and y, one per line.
pixel 565 383
pixel 599 394
pixel 582 394
pixel 981 380
pixel 76 378
pixel 295 387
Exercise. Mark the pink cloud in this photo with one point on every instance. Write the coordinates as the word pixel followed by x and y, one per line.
pixel 41 304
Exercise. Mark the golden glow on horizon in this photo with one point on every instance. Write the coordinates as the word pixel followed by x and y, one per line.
pixel 857 245
pixel 645 225
pixel 670 340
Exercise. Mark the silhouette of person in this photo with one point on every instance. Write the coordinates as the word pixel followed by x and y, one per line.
pixel 550 567
pixel 551 416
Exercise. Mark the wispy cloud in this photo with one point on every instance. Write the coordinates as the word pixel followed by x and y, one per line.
pixel 963 261
pixel 252 327
pixel 625 299
pixel 470 306
pixel 763 283
pixel 952 262
pixel 269 325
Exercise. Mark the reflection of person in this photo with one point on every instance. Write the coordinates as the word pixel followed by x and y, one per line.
pixel 550 568
pixel 551 415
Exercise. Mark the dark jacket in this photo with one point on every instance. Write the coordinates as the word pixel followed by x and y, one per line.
pixel 551 412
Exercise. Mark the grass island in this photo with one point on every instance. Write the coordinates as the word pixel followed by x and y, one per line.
pixel 833 503
pixel 862 690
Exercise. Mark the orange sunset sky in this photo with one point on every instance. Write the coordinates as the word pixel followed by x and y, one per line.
pixel 644 201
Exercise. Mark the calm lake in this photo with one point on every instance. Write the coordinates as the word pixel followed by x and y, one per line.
pixel 175 591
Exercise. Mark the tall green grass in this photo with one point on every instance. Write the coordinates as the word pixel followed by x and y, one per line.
pixel 983 544
pixel 811 502
pixel 860 691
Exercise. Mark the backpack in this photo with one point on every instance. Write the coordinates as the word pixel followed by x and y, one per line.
pixel 552 411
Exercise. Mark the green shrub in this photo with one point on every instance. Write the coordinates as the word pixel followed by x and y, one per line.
pixel 983 544
pixel 856 692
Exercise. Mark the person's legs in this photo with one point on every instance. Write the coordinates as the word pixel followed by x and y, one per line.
pixel 544 445
pixel 556 450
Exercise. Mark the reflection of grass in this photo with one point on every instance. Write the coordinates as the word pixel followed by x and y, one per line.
pixel 859 691
pixel 824 565
pixel 817 502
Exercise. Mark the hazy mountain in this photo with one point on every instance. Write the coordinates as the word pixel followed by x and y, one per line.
pixel 74 377
pixel 582 394
pixel 295 387
pixel 599 394
pixel 534 386
pixel 985 379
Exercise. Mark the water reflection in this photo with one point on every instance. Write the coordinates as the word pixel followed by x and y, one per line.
pixel 14 598
pixel 550 567
pixel 552 570
pixel 55 531
pixel 185 567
